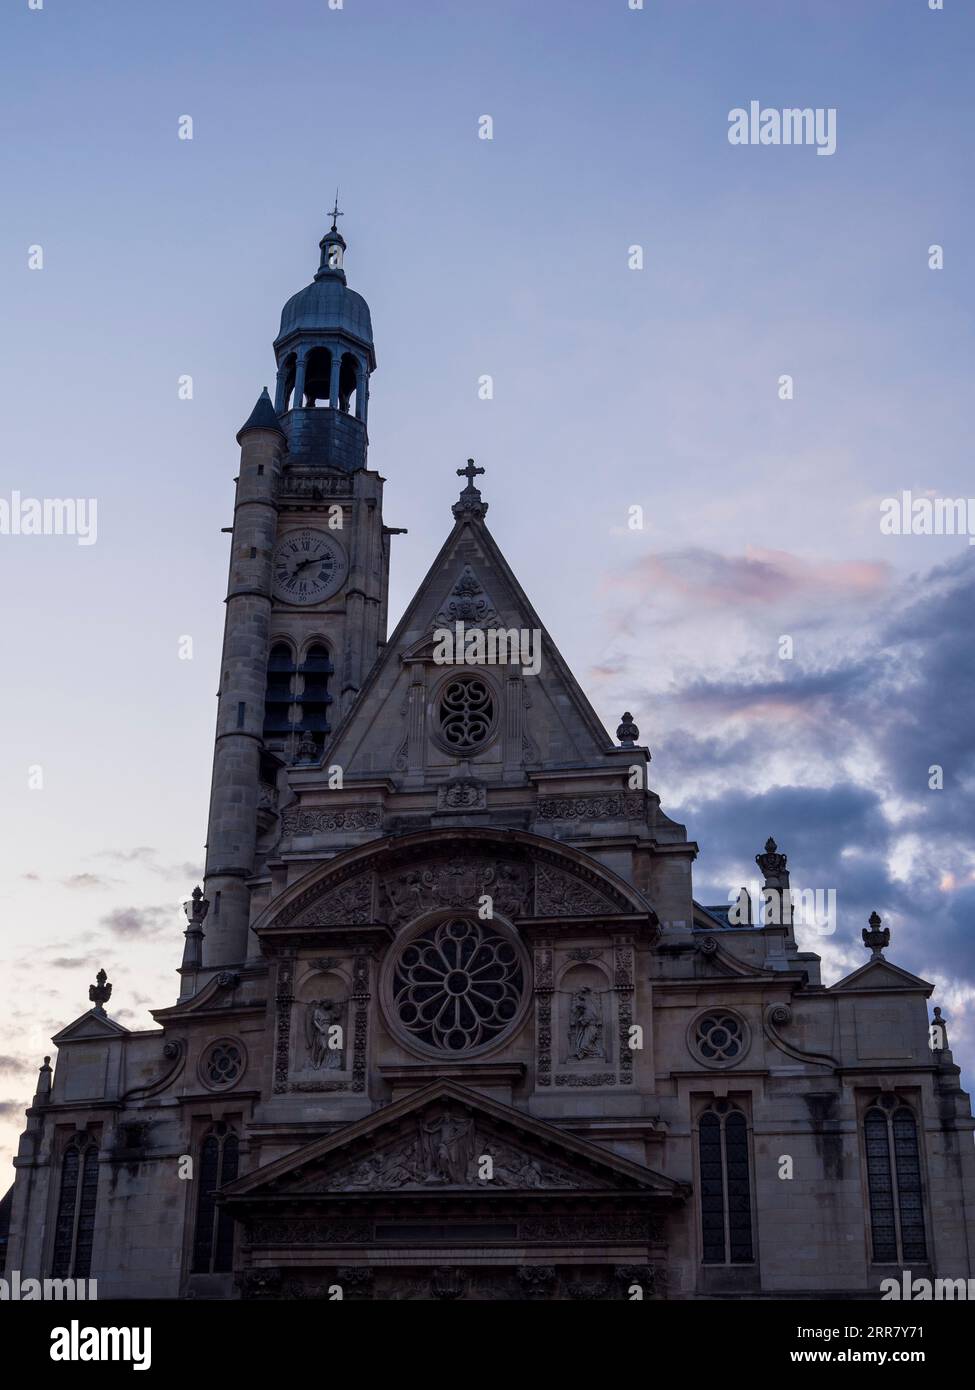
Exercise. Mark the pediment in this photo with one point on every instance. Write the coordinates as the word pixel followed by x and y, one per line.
pixel 449 1139
pixel 92 1025
pixel 881 974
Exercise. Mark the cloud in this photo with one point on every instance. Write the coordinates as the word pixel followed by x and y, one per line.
pixel 12 1109
pixel 12 1065
pixel 830 752
pixel 760 577
pixel 137 921
pixel 87 881
pixel 147 857
pixel 70 962
pixel 140 855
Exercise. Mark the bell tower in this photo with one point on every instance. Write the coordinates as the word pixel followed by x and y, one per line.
pixel 307 594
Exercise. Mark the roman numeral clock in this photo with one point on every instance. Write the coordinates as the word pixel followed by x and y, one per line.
pixel 309 566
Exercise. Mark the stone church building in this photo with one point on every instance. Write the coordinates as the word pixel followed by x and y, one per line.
pixel 451 1024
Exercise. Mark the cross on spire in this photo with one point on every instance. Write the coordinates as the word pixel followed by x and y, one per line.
pixel 470 503
pixel 335 214
pixel 470 472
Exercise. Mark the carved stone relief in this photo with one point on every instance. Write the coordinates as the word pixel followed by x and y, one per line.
pixel 544 989
pixel 462 796
pixel 446 1149
pixel 315 822
pixel 624 984
pixel 456 882
pixel 348 905
pixel 558 894
pixel 453 1283
pixel 588 808
pixel 467 603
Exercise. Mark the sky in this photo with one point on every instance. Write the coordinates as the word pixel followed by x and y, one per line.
pixel 614 388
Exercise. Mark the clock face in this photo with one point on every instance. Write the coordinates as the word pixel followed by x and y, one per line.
pixel 308 567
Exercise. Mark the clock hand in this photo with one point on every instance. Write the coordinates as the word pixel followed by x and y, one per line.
pixel 303 564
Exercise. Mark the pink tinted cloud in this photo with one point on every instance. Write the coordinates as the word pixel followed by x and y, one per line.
pixel 756 577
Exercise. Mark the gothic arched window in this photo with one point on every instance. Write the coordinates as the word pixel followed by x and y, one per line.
pixel 894 1182
pixel 213 1236
pixel 279 696
pixel 74 1229
pixel 726 1204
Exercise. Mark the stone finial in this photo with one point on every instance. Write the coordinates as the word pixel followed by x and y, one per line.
pixel 627 733
pixel 876 938
pixel 196 907
pixel 470 503
pixel 100 993
pixel 939 1032
pixel 773 866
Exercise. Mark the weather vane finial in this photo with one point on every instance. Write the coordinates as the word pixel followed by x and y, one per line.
pixel 335 214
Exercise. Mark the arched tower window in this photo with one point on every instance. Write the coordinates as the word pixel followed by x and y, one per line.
pixel 348 380
pixel 279 696
pixel 74 1229
pixel 289 368
pixel 316 669
pixel 213 1236
pixel 894 1182
pixel 726 1203
pixel 318 377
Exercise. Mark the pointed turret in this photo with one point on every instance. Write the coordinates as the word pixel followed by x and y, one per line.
pixel 262 417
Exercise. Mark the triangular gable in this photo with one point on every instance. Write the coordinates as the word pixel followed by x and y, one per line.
pixel 881 974
pixel 90 1025
pixel 436 1140
pixel 471 574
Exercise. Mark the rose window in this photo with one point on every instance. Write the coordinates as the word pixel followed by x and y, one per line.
pixel 466 712
pixel 458 985
pixel 223 1064
pixel 719 1037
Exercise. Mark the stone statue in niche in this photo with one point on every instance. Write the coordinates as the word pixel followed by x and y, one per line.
pixel 325 1034
pixel 585 1024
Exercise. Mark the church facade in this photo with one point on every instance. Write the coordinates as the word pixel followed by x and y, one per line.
pixel 451 1024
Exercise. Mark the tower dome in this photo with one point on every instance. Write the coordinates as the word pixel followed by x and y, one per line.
pixel 325 356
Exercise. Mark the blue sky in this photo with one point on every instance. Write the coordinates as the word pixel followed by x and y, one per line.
pixel 612 388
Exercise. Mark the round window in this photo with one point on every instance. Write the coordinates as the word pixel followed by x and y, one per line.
pixel 457 986
pixel 720 1039
pixel 222 1064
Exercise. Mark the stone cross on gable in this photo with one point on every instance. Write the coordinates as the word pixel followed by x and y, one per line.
pixel 470 472
pixel 469 504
